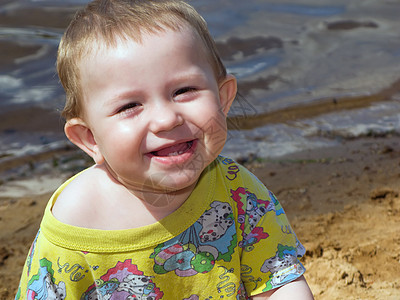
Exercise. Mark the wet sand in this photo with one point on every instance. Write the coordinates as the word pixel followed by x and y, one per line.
pixel 343 202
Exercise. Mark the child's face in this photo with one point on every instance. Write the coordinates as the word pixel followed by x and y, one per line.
pixel 153 112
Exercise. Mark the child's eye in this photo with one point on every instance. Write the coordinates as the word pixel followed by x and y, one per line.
pixel 184 90
pixel 128 107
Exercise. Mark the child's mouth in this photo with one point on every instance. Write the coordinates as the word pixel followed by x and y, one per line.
pixel 174 150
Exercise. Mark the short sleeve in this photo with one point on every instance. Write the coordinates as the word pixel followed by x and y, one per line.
pixel 270 248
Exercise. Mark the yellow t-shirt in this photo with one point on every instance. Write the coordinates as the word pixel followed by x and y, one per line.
pixel 230 239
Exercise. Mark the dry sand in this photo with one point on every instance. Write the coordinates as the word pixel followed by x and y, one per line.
pixel 343 202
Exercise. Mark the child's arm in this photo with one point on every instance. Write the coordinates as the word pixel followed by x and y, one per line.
pixel 296 290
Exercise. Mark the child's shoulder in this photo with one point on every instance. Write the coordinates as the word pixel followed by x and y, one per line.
pixel 77 200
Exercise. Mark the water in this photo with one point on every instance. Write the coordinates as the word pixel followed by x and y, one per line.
pixel 285 54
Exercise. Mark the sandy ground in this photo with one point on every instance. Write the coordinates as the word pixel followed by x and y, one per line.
pixel 343 202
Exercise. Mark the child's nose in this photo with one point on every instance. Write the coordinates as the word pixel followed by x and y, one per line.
pixel 165 117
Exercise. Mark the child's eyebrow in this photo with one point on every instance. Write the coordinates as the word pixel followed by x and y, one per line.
pixel 189 76
pixel 129 94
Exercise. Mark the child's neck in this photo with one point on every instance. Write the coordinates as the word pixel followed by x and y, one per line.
pixel 161 204
pixel 150 205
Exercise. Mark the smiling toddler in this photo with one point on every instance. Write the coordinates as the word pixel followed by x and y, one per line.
pixel 161 215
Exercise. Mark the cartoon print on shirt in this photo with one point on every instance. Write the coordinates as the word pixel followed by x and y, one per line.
pixel 124 281
pixel 75 270
pixel 211 238
pixel 233 169
pixel 215 221
pixel 246 275
pixel 241 293
pixel 283 267
pixel 43 286
pixel 250 212
pixel 31 252
pixel 226 286
pixel 277 206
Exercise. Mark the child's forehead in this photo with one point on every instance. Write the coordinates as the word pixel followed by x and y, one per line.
pixel 180 42
pixel 127 52
pixel 140 38
pixel 102 46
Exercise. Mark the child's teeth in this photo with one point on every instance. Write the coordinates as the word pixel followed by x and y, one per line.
pixel 175 153
pixel 175 150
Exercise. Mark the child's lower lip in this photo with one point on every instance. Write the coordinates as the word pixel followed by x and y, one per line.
pixel 176 158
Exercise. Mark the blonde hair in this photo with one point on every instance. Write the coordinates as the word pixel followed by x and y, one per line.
pixel 104 22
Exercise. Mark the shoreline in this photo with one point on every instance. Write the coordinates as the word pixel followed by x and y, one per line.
pixel 315 108
pixel 343 202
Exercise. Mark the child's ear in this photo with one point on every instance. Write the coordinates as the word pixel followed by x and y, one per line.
pixel 79 133
pixel 227 92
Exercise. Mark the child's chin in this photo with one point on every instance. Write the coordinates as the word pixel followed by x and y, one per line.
pixel 171 181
